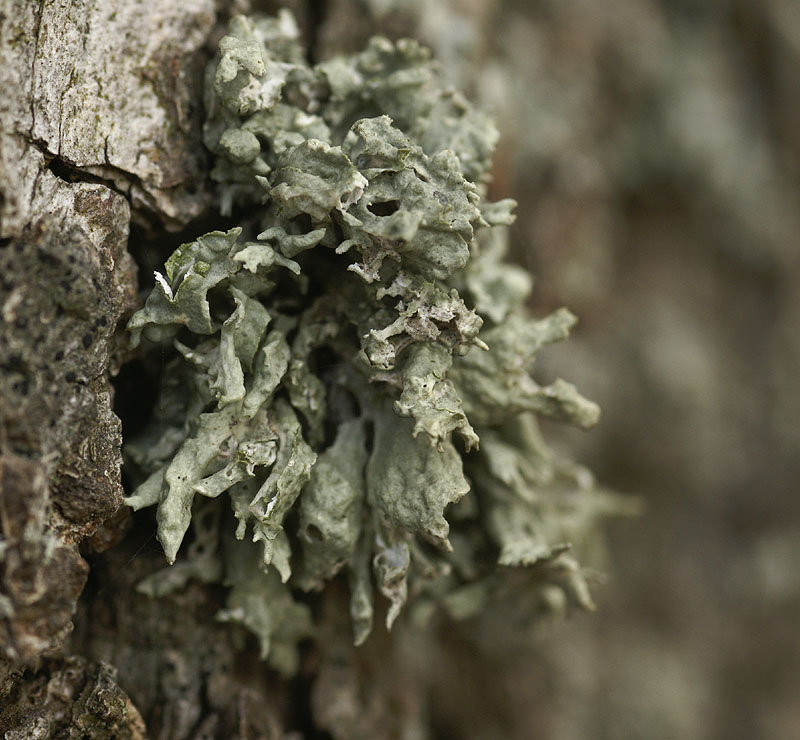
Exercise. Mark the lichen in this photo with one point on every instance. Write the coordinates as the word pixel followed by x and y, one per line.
pixel 354 376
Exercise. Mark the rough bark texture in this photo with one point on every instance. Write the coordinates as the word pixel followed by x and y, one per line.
pixel 110 92
pixel 69 698
pixel 99 116
pixel 655 148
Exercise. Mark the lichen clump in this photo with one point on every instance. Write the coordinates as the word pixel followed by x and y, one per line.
pixel 354 379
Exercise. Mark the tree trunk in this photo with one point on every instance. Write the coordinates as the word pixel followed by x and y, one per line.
pixel 654 147
pixel 98 121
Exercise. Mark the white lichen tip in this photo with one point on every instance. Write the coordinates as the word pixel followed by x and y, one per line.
pixel 162 282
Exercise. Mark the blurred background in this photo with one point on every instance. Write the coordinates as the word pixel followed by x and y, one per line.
pixel 654 149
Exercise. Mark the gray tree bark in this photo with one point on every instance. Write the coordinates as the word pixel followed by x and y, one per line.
pixel 98 122
pixel 655 147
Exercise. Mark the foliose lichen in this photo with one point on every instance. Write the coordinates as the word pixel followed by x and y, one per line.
pixel 356 378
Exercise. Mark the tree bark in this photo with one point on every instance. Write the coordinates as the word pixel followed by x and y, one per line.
pixel 98 121
pixel 654 147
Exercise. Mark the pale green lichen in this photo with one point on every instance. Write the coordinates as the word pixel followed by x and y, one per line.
pixel 356 378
